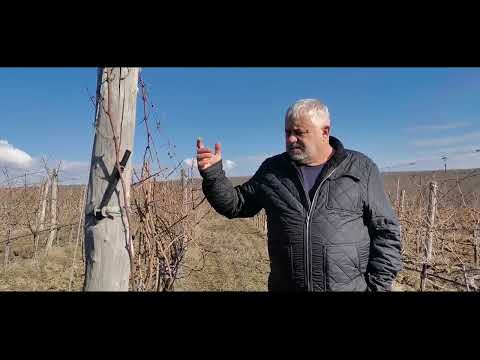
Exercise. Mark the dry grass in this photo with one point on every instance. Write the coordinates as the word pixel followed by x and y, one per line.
pixel 45 274
pixel 236 257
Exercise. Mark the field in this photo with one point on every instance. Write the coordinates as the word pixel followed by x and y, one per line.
pixel 231 255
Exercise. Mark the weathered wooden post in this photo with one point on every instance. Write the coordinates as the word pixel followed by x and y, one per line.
pixel 432 206
pixel 53 211
pixel 419 230
pixel 398 192
pixel 402 202
pixel 41 216
pixel 432 209
pixel 108 248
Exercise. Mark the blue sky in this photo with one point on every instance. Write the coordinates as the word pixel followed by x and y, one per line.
pixel 394 115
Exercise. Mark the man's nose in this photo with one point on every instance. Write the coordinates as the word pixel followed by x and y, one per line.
pixel 291 139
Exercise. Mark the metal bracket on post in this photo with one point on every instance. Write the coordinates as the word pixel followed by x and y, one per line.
pixel 102 211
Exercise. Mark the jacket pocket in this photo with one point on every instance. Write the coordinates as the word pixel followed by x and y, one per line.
pixel 363 251
pixel 342 268
pixel 344 194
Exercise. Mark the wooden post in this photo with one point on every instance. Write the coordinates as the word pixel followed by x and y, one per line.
pixel 41 217
pixel 402 202
pixel 53 211
pixel 419 232
pixel 432 206
pixel 108 252
pixel 398 192
pixel 432 209
pixel 7 251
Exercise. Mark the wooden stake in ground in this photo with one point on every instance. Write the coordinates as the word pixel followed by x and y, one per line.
pixel 53 211
pixel 108 250
pixel 398 192
pixel 419 231
pixel 432 207
pixel 402 202
pixel 41 217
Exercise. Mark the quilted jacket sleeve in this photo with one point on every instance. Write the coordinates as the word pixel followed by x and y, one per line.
pixel 385 247
pixel 232 202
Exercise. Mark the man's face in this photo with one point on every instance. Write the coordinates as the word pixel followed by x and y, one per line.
pixel 305 140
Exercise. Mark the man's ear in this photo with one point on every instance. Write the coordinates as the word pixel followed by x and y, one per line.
pixel 326 131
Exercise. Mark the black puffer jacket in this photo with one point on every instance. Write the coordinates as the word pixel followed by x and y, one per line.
pixel 346 239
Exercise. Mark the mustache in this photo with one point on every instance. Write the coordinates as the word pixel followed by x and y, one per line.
pixel 292 147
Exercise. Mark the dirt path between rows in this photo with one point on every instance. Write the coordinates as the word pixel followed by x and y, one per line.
pixel 235 257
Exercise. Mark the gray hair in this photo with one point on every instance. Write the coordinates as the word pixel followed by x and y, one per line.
pixel 313 108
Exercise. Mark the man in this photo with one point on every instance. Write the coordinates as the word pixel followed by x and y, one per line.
pixel 330 224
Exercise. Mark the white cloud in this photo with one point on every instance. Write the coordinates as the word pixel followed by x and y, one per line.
pixel 229 164
pixel 189 161
pixel 13 157
pixel 247 165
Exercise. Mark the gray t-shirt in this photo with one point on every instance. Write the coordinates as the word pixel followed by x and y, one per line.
pixel 310 175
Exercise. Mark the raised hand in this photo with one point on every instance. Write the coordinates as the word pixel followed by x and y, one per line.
pixel 205 157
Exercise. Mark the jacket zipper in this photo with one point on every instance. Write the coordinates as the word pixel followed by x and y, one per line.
pixel 308 264
pixel 305 240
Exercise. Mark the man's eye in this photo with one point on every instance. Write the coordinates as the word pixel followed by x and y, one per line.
pixel 296 133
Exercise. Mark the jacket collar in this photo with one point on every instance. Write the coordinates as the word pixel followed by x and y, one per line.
pixel 339 155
